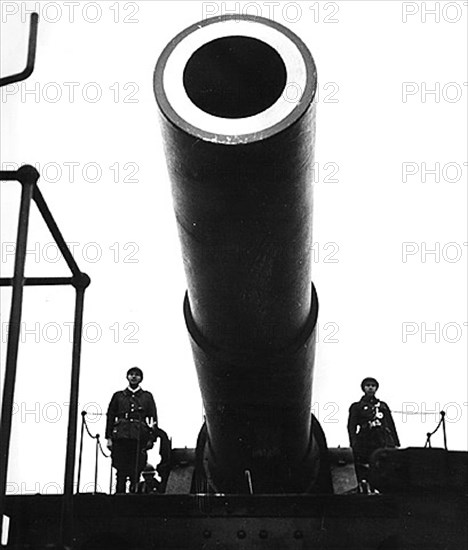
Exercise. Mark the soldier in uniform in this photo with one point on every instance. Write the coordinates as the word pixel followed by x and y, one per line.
pixel 131 417
pixel 370 427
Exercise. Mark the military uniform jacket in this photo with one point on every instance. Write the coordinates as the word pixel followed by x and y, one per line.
pixel 376 426
pixel 128 415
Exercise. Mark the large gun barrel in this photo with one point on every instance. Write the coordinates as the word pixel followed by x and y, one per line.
pixel 238 119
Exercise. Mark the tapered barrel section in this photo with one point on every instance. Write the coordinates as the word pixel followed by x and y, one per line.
pixel 238 120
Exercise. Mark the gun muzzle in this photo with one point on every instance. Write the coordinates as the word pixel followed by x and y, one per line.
pixel 238 119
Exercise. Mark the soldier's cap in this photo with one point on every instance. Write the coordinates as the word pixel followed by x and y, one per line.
pixel 369 380
pixel 148 469
pixel 137 370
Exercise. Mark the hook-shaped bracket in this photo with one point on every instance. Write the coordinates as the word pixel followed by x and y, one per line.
pixel 24 74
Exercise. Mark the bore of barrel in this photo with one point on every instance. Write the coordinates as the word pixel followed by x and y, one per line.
pixel 234 77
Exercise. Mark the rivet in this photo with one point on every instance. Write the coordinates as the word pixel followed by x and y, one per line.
pixel 207 533
pixel 298 534
pixel 241 534
pixel 263 534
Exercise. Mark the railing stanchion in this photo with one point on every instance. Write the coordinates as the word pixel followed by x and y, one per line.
pixel 80 456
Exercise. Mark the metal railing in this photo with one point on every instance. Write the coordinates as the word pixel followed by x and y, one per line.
pixel 444 431
pixel 28 177
pixel 97 452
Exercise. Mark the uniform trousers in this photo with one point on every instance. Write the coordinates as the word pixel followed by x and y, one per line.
pixel 129 460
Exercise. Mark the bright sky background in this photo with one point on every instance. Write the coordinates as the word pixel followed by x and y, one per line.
pixel 104 178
